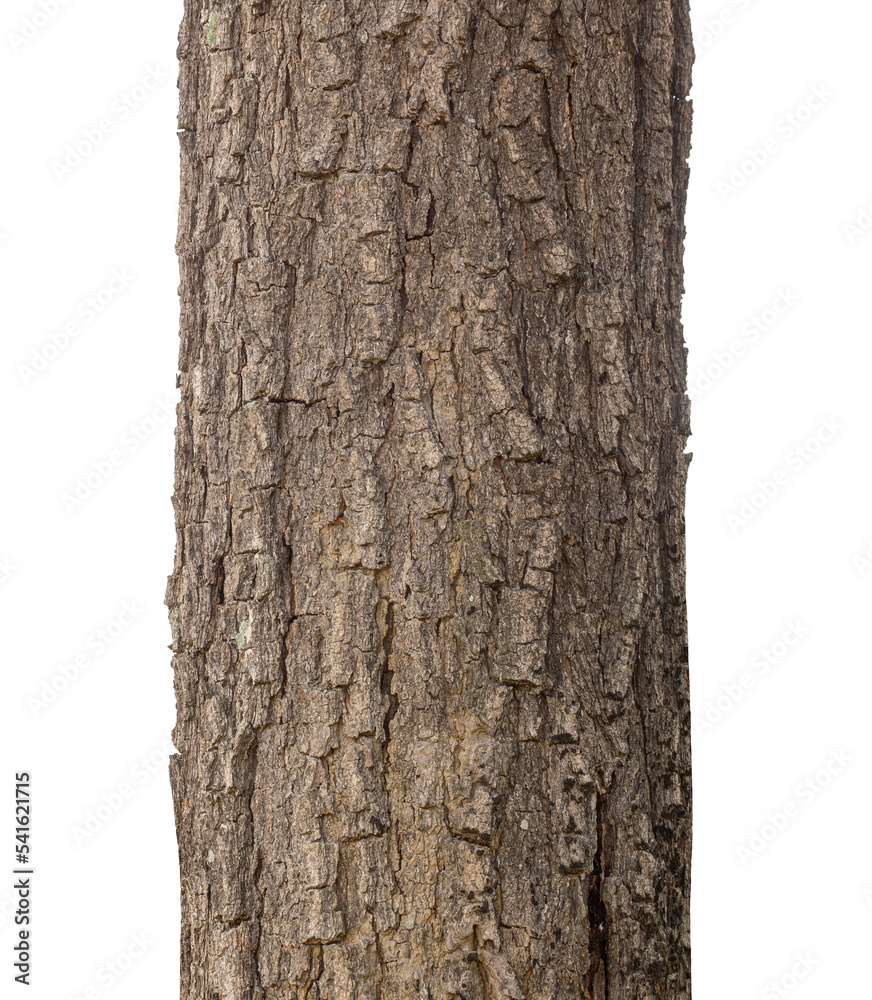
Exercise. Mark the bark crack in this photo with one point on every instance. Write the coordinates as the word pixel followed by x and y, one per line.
pixel 597 986
pixel 387 678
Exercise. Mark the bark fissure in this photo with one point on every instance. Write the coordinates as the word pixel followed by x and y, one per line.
pixel 597 915
pixel 387 678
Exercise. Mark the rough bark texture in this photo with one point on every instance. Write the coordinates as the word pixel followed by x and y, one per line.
pixel 428 599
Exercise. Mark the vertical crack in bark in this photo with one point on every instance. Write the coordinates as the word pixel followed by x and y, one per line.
pixel 635 685
pixel 219 587
pixel 259 909
pixel 597 986
pixel 387 678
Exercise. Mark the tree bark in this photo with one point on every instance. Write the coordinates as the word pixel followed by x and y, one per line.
pixel 428 599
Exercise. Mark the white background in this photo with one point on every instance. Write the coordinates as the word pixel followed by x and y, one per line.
pixel 782 873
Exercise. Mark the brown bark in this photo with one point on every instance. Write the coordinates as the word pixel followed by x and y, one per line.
pixel 428 600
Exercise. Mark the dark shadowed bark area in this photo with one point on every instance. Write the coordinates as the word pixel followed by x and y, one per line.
pixel 428 599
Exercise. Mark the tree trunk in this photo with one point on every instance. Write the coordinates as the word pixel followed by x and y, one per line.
pixel 428 599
